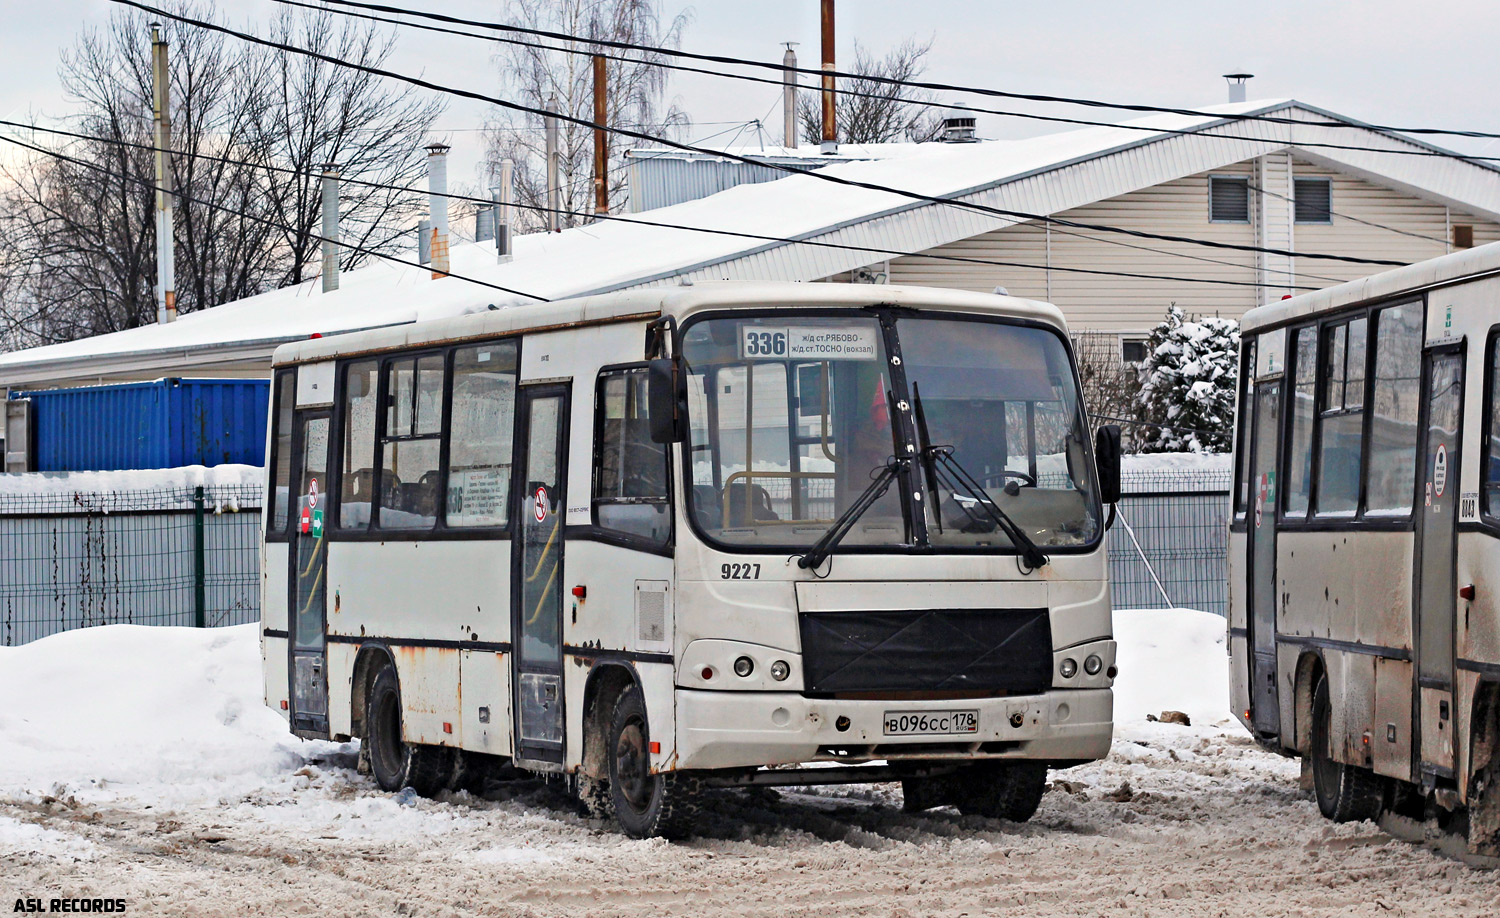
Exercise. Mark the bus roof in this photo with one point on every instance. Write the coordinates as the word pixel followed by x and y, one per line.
pixel 1442 271
pixel 649 303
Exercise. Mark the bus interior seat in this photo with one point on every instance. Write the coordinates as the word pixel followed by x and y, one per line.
pixel 759 499
pixel 707 507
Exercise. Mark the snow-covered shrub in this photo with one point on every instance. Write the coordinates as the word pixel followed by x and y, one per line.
pixel 1188 384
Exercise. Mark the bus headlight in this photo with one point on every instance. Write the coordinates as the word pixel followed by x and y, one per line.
pixel 1092 664
pixel 780 670
pixel 1068 667
pixel 744 666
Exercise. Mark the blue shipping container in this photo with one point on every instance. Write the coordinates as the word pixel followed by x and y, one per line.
pixel 154 425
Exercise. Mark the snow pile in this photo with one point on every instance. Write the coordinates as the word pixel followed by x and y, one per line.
pixel 1188 380
pixel 167 713
pixel 1171 660
pixel 187 476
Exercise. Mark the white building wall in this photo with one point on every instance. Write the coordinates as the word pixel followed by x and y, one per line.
pixel 1417 230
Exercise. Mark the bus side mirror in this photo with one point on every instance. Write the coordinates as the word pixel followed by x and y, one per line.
pixel 1107 458
pixel 666 396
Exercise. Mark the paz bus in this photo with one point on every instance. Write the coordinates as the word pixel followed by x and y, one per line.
pixel 721 535
pixel 1364 565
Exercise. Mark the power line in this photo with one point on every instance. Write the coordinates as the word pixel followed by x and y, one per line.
pixel 266 220
pixel 915 84
pixel 777 82
pixel 819 175
pixel 785 240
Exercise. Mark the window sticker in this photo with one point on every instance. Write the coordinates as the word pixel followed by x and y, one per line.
pixel 540 499
pixel 807 343
pixel 1440 470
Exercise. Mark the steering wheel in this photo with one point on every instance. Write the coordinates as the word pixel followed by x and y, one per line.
pixel 1000 477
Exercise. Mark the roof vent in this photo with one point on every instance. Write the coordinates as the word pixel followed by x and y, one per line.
pixel 1237 83
pixel 958 127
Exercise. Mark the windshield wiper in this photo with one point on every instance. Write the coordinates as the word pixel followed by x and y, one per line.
pixel 846 520
pixel 935 456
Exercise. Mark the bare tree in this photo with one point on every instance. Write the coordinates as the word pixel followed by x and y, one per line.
pixel 533 76
pixel 1110 385
pixel 318 113
pixel 873 111
pixel 81 234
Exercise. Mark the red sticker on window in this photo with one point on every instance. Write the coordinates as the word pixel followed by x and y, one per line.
pixel 540 510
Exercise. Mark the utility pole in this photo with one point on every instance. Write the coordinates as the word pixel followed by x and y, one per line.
pixel 601 141
pixel 330 227
pixel 830 143
pixel 789 96
pixel 553 197
pixel 166 276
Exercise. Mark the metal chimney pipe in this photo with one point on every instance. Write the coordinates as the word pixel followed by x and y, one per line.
pixel 424 241
pixel 437 194
pixel 601 140
pixel 502 209
pixel 330 227
pixel 789 97
pixel 830 143
pixel 166 270
pixel 1237 83
pixel 553 192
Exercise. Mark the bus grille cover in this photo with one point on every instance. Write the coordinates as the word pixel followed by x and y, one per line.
pixel 1007 650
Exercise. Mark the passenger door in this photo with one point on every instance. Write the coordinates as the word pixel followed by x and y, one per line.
pixel 537 572
pixel 1260 521
pixel 308 581
pixel 1436 599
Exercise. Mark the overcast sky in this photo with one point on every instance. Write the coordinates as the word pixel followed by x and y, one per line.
pixel 1420 64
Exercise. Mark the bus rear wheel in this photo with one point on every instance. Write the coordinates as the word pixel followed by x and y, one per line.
pixel 394 762
pixel 1346 793
pixel 1003 790
pixel 646 805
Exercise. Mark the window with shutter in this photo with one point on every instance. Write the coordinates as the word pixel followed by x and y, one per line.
pixel 1314 200
pixel 1228 200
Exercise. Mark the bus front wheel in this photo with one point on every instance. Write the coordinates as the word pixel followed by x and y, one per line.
pixel 1003 790
pixel 646 804
pixel 1346 793
pixel 394 762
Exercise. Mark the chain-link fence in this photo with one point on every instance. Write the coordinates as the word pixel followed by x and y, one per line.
pixel 1169 544
pixel 166 556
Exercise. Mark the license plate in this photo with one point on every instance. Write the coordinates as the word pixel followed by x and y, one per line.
pixel 924 723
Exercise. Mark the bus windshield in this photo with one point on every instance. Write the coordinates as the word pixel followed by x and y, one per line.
pixel 791 419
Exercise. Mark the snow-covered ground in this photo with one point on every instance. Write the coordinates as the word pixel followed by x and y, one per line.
pixel 139 763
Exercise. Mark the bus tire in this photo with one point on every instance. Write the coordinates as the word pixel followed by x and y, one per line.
pixel 646 805
pixel 1003 790
pixel 393 762
pixel 1345 793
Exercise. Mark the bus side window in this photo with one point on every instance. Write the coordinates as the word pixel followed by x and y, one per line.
pixel 1393 427
pixel 281 460
pixel 357 476
pixel 481 433
pixel 631 471
pixel 1491 471
pixel 1341 439
pixel 1304 395
pixel 1242 441
pixel 409 478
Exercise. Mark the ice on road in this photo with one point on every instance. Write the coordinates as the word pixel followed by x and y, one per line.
pixel 139 763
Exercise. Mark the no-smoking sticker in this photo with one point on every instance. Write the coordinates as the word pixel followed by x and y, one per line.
pixel 312 493
pixel 540 510
pixel 1440 469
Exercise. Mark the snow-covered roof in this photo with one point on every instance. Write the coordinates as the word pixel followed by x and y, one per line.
pixel 1481 261
pixel 1045 174
pixel 846 151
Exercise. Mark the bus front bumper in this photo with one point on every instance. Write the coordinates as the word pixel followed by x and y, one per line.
pixel 725 729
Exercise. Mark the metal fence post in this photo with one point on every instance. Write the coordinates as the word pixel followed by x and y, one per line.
pixel 200 611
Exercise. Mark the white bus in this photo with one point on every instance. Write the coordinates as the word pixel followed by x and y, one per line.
pixel 718 535
pixel 1364 616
